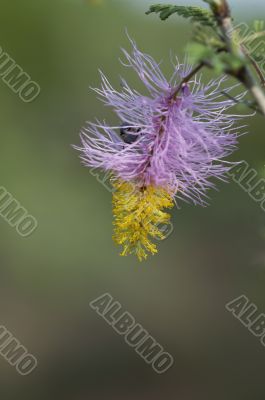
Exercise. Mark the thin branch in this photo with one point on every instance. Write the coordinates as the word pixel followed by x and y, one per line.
pixel 223 16
pixel 186 79
pixel 247 79
pixel 255 66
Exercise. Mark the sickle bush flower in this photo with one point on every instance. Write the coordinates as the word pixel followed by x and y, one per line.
pixel 182 133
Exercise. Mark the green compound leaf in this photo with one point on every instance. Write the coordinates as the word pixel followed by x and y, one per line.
pixel 208 37
pixel 198 52
pixel 197 14
pixel 219 62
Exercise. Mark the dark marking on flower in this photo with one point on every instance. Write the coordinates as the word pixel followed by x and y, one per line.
pixel 129 134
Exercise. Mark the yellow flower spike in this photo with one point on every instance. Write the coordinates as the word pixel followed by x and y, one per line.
pixel 138 212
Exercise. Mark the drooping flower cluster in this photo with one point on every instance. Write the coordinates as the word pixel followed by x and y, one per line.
pixel 168 145
pixel 139 217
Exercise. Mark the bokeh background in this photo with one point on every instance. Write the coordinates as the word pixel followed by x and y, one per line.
pixel 47 280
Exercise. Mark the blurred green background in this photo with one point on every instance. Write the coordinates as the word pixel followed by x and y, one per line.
pixel 47 280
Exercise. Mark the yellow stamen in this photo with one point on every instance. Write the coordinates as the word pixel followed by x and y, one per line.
pixel 138 216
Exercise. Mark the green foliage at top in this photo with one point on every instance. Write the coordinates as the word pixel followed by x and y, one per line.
pixel 258 25
pixel 207 45
pixel 207 36
pixel 220 62
pixel 197 14
pixel 214 4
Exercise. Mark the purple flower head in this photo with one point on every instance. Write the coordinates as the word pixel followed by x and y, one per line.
pixel 175 137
